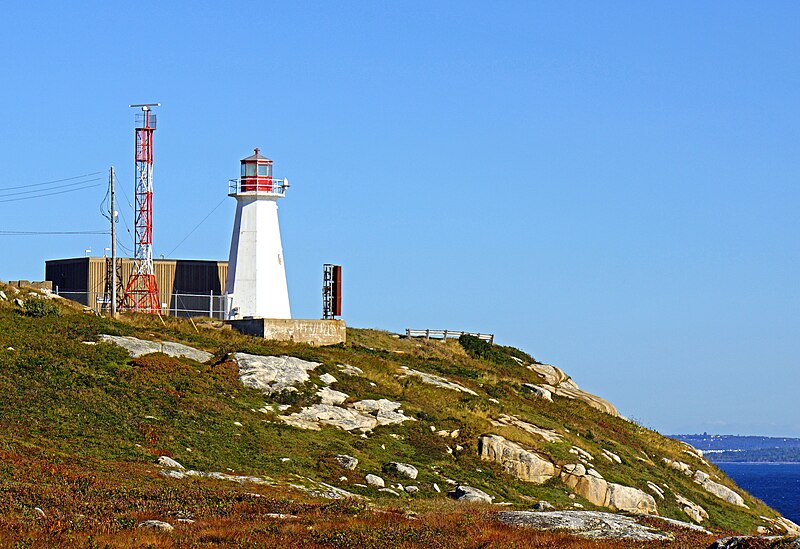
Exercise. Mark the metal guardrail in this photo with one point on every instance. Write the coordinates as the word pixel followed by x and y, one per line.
pixel 444 334
pixel 276 187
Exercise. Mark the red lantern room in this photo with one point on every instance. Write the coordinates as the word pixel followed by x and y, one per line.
pixel 256 174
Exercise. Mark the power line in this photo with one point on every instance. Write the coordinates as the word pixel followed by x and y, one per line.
pixel 49 182
pixel 3 195
pixel 103 203
pixel 38 233
pixel 197 226
pixel 50 194
pixel 125 248
pixel 124 219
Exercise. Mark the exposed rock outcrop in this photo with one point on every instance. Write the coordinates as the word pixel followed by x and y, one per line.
pixel 656 489
pixel 401 469
pixel 755 542
pixel 159 525
pixel 347 462
pixel 693 510
pixel 704 480
pixel 468 493
pixel 538 391
pixel 587 524
pixel 516 460
pixel 588 484
pixel 582 454
pixel 784 526
pixel 611 456
pixel 546 434
pixel 139 347
pixel 385 411
pixel 591 485
pixel 560 384
pixel 632 500
pixel 692 451
pixel 316 416
pixel 325 490
pixel 678 466
pixel 436 380
pixel 349 370
pixel 363 415
pixel 180 474
pixel 272 374
pixel 329 396
pixel 327 379
pixel 722 492
pixel 550 374
pixel 166 461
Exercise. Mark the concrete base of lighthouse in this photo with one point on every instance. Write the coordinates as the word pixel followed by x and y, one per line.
pixel 312 332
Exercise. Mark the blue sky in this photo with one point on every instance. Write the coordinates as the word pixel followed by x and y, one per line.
pixel 611 186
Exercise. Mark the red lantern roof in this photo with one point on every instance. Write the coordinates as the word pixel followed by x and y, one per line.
pixel 256 156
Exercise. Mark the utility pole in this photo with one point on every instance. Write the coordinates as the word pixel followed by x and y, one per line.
pixel 113 246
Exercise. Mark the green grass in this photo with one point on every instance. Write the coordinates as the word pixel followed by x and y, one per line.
pixel 76 400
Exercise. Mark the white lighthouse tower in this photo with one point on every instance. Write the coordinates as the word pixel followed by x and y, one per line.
pixel 256 283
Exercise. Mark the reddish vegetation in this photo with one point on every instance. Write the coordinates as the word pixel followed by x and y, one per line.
pixel 97 504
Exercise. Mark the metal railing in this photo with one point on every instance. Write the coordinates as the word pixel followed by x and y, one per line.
pixel 141 120
pixel 444 334
pixel 275 187
pixel 210 305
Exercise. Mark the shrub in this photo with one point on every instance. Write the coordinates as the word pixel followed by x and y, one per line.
pixel 475 347
pixel 499 354
pixel 38 307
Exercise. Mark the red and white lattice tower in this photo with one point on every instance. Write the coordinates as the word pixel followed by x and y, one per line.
pixel 141 293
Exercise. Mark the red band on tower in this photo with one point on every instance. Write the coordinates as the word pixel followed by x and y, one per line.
pixel 141 293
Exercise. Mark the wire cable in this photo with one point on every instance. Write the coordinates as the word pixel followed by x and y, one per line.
pixel 42 233
pixel 124 219
pixel 105 205
pixel 50 194
pixel 4 195
pixel 49 182
pixel 125 248
pixel 196 227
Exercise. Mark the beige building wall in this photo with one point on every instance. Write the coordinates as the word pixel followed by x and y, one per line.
pixel 87 279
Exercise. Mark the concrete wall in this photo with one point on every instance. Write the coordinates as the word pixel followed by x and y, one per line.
pixel 313 332
pixel 46 285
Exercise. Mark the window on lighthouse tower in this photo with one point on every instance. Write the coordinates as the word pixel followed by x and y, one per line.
pixel 249 169
pixel 262 169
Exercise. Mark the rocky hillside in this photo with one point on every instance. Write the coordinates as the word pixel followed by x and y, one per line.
pixel 106 424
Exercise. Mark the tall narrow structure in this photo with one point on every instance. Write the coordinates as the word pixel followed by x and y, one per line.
pixel 256 283
pixel 141 293
pixel 331 291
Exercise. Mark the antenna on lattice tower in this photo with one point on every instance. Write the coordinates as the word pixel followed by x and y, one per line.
pixel 141 293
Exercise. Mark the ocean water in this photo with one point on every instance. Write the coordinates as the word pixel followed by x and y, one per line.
pixel 776 484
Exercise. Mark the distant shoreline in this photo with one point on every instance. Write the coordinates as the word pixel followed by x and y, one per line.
pixel 755 462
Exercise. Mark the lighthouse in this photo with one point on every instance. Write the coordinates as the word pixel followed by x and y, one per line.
pixel 256 282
